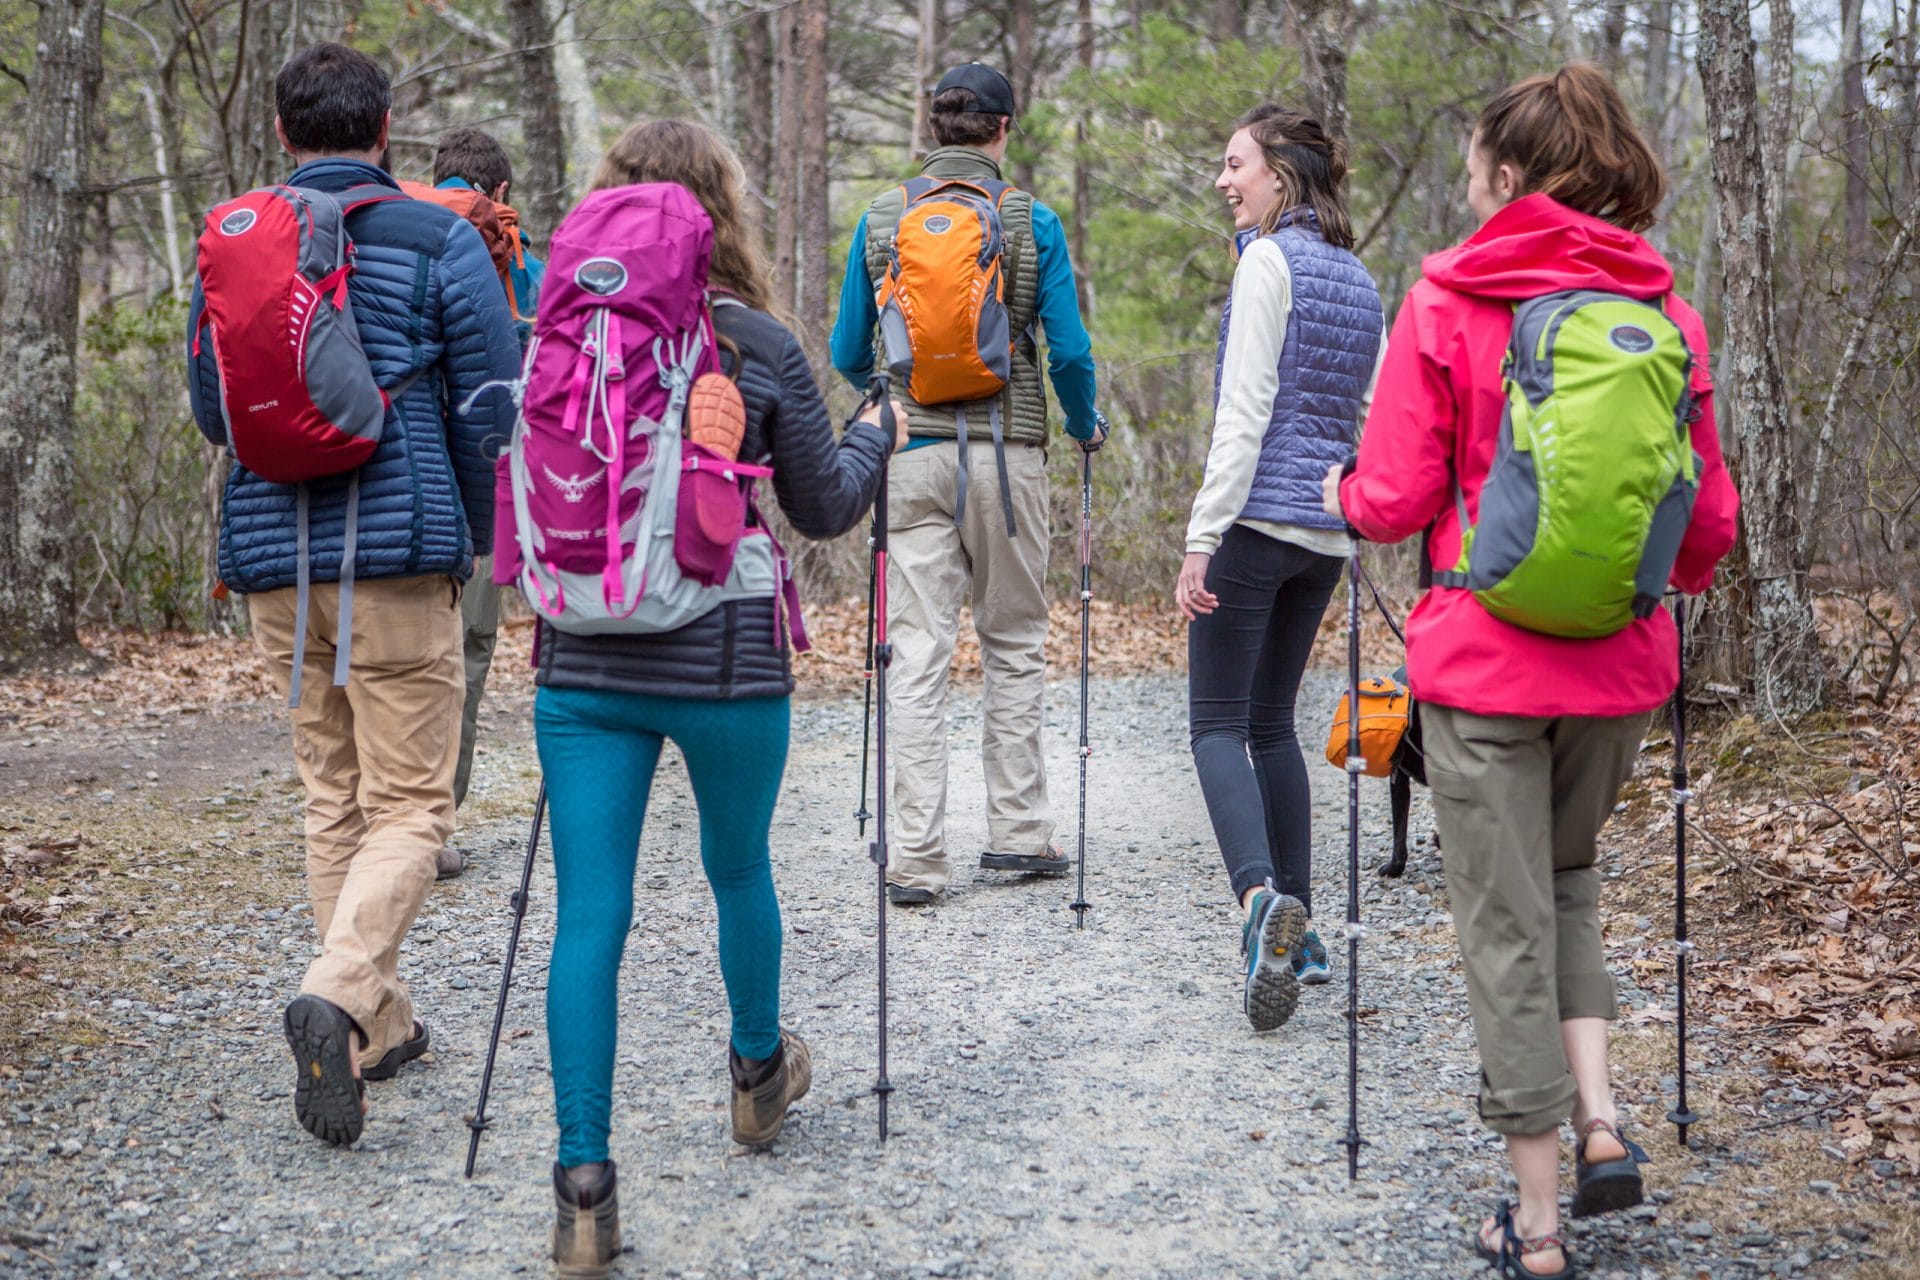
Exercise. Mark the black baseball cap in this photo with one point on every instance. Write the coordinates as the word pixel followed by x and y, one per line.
pixel 992 95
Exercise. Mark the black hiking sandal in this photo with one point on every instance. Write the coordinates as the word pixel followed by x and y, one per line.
pixel 326 1093
pixel 1050 861
pixel 399 1056
pixel 901 896
pixel 1606 1186
pixel 1513 1246
pixel 586 1224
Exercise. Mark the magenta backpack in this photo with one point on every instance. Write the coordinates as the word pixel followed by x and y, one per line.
pixel 607 518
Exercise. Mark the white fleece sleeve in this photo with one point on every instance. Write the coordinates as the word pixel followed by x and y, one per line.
pixel 1250 379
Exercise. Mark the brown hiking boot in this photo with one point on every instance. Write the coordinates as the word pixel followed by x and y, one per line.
pixel 586 1224
pixel 762 1094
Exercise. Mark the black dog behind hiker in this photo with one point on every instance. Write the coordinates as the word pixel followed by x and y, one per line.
pixel 1409 767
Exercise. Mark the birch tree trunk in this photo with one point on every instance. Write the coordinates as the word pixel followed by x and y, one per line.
pixel 543 181
pixel 1780 659
pixel 1779 104
pixel 575 89
pixel 1853 119
pixel 39 323
pixel 1024 40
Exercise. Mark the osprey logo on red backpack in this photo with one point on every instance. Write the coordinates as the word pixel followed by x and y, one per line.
pixel 296 390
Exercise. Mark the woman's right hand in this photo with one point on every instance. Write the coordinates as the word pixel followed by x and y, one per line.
pixel 870 414
pixel 1190 588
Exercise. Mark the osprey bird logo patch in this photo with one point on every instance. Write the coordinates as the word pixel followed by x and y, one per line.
pixel 574 488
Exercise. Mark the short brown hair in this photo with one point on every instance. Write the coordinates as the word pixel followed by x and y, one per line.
pixel 1571 137
pixel 956 124
pixel 1310 166
pixel 695 157
pixel 473 155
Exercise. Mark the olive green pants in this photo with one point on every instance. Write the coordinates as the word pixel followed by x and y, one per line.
pixel 479 627
pixel 1518 802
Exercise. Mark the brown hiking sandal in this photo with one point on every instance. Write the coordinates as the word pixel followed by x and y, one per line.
pixel 762 1094
pixel 586 1224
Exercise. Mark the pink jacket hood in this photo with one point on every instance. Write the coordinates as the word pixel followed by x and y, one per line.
pixel 1536 245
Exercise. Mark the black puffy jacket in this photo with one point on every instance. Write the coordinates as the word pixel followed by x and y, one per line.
pixel 823 485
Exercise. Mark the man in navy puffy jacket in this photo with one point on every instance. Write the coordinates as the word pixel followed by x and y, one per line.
pixel 377 754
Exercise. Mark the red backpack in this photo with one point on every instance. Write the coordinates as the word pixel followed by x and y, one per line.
pixel 296 391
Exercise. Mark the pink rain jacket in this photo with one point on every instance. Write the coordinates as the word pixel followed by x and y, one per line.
pixel 1436 414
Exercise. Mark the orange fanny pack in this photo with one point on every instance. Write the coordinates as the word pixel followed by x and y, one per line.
pixel 1385 708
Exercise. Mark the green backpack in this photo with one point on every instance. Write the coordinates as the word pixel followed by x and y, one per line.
pixel 1593 483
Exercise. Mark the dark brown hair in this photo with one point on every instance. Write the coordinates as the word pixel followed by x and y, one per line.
pixel 1570 136
pixel 1309 165
pixel 331 99
pixel 473 155
pixel 695 157
pixel 956 124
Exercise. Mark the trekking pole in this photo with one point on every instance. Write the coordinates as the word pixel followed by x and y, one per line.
pixel 478 1122
pixel 1080 904
pixel 862 814
pixel 882 659
pixel 1681 1115
pixel 1356 765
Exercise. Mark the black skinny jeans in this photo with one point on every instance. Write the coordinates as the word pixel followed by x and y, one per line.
pixel 1244 663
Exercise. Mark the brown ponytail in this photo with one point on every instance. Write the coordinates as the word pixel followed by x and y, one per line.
pixel 1310 166
pixel 1570 136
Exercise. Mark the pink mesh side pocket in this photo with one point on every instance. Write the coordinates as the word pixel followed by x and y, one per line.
pixel 712 512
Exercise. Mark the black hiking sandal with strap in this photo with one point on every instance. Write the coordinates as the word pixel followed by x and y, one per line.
pixel 1606 1186
pixel 326 1093
pixel 399 1056
pixel 1047 862
pixel 1513 1247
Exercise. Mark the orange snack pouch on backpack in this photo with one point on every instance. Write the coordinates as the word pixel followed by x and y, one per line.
pixel 1384 708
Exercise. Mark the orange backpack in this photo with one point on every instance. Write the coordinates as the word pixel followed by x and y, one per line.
pixel 1384 708
pixel 943 309
pixel 476 208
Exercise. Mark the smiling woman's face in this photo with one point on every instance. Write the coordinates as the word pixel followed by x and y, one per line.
pixel 1245 180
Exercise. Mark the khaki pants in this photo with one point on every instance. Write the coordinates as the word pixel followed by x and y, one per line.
pixel 377 759
pixel 931 566
pixel 1518 802
pixel 479 628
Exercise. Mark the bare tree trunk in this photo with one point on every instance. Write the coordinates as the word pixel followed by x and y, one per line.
pixel 1082 174
pixel 928 53
pixel 756 120
pixel 39 323
pixel 1325 26
pixel 786 157
pixel 1228 19
pixel 815 233
pixel 1781 661
pixel 1659 59
pixel 1779 104
pixel 1853 119
pixel 1024 39
pixel 1613 35
pixel 543 192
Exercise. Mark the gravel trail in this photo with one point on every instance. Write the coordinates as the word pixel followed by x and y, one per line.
pixel 1068 1103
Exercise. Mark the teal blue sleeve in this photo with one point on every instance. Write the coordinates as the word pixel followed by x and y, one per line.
pixel 1069 350
pixel 851 345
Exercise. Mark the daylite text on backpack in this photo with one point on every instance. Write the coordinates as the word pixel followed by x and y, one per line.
pixel 591 490
pixel 296 391
pixel 1593 482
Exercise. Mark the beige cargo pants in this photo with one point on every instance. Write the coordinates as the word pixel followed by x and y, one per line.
pixel 934 566
pixel 377 759
pixel 1519 802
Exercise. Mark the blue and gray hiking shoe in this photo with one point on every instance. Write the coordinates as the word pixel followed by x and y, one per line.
pixel 1310 961
pixel 1268 939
